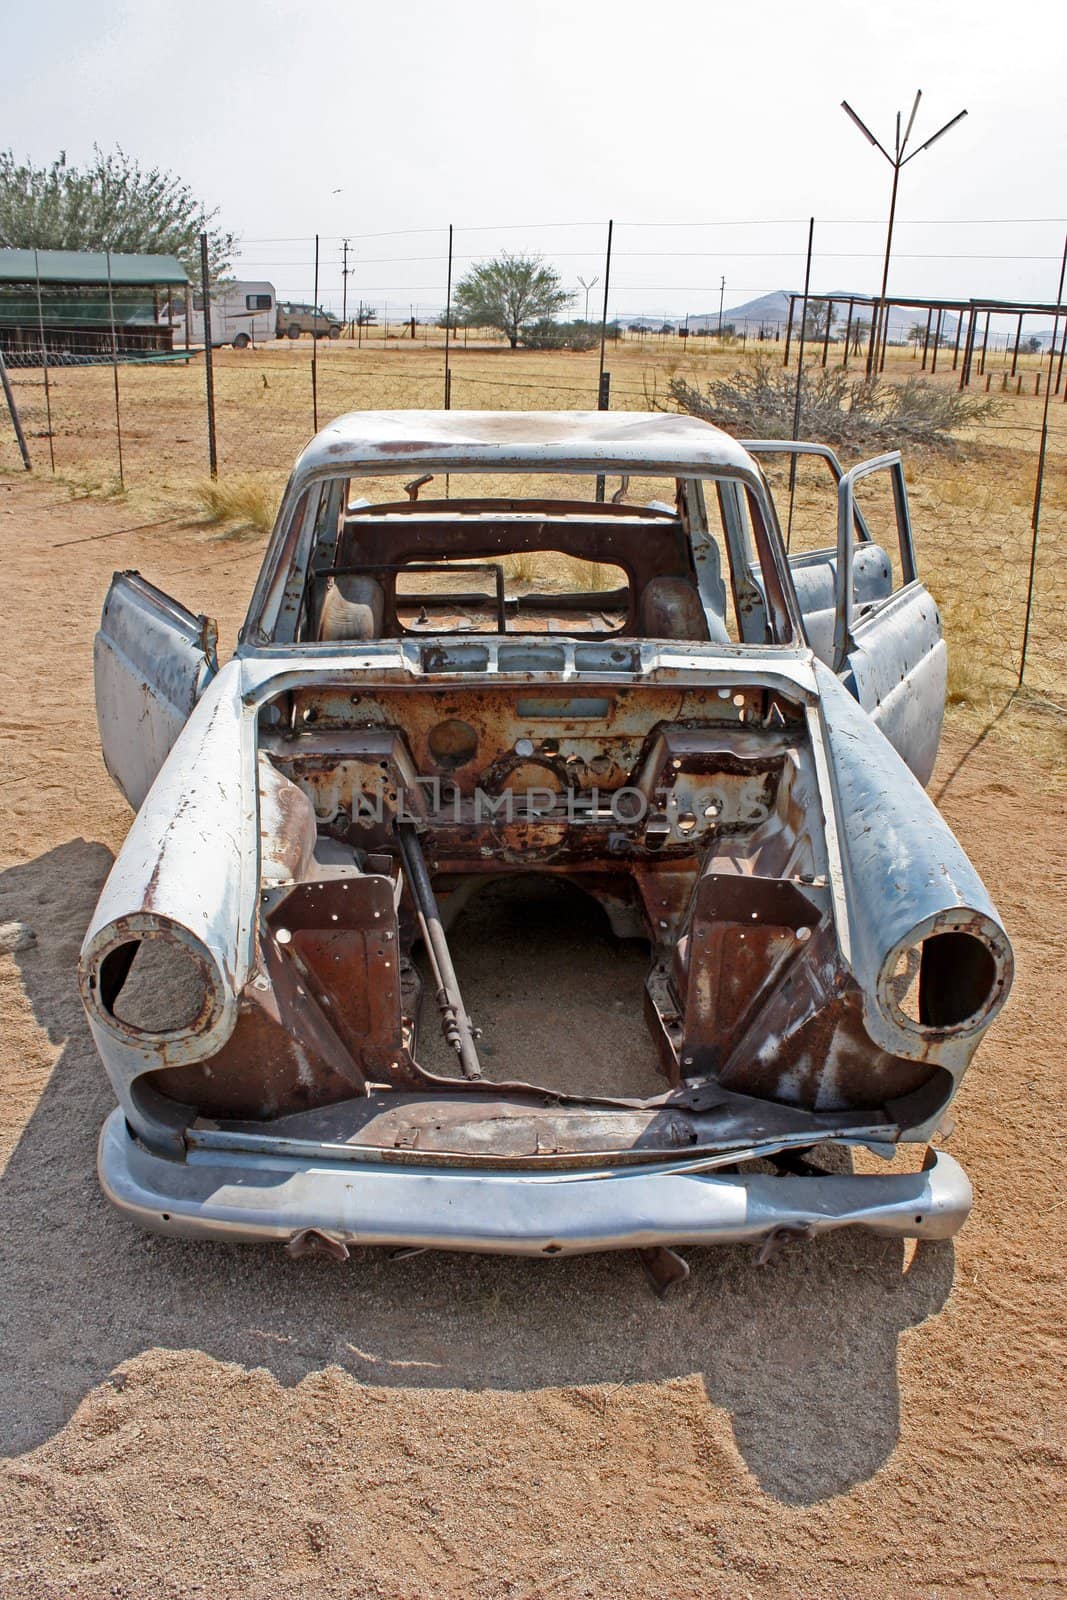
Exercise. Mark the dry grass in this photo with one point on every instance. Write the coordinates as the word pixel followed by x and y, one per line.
pixel 971 515
pixel 244 503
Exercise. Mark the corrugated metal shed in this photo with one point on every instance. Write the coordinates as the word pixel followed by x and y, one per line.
pixel 89 267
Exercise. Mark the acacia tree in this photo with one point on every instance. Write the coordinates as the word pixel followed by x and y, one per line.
pixel 110 204
pixel 510 293
pixel 818 316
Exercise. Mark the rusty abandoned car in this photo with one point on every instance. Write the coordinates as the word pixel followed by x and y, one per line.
pixel 485 646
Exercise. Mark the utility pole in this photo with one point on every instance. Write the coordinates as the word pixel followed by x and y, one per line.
pixel 896 161
pixel 587 286
pixel 722 293
pixel 344 287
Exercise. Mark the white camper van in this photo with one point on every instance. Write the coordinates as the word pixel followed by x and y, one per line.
pixel 242 313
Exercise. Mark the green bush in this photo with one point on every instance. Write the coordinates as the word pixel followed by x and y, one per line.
pixel 549 335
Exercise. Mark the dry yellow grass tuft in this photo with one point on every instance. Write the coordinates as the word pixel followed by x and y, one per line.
pixel 242 502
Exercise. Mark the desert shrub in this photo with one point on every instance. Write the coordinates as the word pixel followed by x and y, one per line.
pixel 854 413
pixel 549 335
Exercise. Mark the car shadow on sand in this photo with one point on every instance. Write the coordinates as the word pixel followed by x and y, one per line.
pixel 801 1353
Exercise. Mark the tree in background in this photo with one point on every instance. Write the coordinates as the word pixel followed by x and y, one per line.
pixel 111 204
pixel 510 293
pixel 818 316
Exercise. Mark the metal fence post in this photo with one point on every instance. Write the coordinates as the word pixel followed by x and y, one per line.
pixel 115 365
pixel 209 370
pixel 315 346
pixel 604 379
pixel 13 408
pixel 448 326
pixel 44 361
pixel 1035 520
pixel 800 379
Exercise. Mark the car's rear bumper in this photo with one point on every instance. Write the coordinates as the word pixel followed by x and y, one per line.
pixel 248 1197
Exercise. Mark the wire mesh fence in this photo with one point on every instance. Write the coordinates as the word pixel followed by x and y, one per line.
pixel 138 419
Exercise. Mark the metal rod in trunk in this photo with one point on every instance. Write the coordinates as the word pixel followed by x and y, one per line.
pixel 454 1018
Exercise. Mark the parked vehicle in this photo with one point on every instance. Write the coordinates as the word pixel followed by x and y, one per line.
pixel 294 319
pixel 242 313
pixel 634 691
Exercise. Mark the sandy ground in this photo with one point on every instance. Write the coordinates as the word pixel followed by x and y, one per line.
pixel 856 1419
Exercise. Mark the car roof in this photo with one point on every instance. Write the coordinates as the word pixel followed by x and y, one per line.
pixel 598 441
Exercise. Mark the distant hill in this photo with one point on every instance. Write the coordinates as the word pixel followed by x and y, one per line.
pixel 771 312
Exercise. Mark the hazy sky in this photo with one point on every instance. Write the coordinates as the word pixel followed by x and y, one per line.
pixel 527 126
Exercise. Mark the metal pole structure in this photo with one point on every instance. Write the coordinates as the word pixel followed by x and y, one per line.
pixel 115 365
pixel 968 347
pixel 44 360
pixel 848 335
pixel 344 284
pixel 587 286
pixel 722 296
pixel 1018 341
pixel 1035 519
pixel 604 314
pixel 603 390
pixel 879 311
pixel 209 369
pixel 448 326
pixel 884 341
pixel 956 342
pixel 985 342
pixel 937 337
pixel 826 331
pixel 876 353
pixel 800 380
pixel 873 337
pixel 13 409
pixel 315 344
pixel 926 335
pixel 789 330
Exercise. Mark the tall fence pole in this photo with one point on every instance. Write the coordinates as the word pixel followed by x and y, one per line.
pixel 209 369
pixel 1035 520
pixel 603 393
pixel 115 365
pixel 14 410
pixel 604 313
pixel 448 326
pixel 315 345
pixel 848 334
pixel 44 360
pixel 789 331
pixel 800 379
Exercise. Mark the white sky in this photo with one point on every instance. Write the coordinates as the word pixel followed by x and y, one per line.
pixel 533 123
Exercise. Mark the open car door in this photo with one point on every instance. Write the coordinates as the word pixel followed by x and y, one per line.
pixel 814 570
pixel 888 647
pixel 152 660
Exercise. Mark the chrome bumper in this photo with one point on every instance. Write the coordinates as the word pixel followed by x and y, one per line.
pixel 245 1197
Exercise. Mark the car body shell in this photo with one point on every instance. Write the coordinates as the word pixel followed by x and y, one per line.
pixel 288 1101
